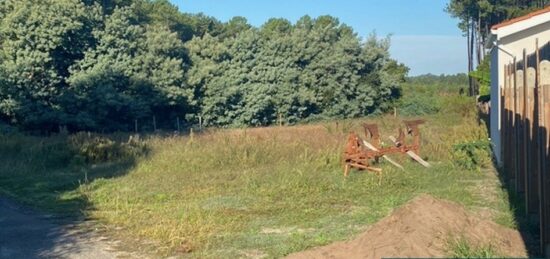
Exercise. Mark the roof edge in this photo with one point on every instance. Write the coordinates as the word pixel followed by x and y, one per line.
pixel 521 18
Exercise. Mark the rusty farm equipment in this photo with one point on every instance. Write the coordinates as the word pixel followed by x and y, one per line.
pixel 359 153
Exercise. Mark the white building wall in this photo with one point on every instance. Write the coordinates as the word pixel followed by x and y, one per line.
pixel 494 116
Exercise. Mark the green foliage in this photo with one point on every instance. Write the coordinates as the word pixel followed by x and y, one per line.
pixel 490 12
pixel 419 105
pixel 472 155
pixel 42 170
pixel 102 65
pixel 39 40
pixel 316 68
pixel 461 248
pixel 482 75
pixel 430 94
pixel 99 149
pixel 448 83
pixel 133 72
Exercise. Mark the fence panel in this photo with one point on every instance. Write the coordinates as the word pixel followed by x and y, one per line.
pixel 525 134
pixel 521 132
pixel 544 82
pixel 531 183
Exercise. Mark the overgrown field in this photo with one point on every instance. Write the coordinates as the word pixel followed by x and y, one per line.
pixel 251 192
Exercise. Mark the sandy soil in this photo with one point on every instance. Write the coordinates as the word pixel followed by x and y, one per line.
pixel 423 228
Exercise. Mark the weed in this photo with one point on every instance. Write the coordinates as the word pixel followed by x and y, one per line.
pixel 472 155
pixel 461 248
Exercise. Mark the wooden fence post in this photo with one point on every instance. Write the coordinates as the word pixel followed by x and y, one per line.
pixel 504 120
pixel 200 123
pixel 508 130
pixel 531 183
pixel 521 136
pixel 542 145
pixel 515 123
pixel 525 134
pixel 544 75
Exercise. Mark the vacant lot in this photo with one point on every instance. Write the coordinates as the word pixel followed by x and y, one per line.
pixel 249 192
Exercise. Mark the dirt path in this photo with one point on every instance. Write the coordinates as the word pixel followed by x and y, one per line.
pixel 28 234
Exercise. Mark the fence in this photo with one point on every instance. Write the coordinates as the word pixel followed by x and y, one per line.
pixel 525 134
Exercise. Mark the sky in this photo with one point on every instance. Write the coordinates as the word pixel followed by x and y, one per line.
pixel 424 36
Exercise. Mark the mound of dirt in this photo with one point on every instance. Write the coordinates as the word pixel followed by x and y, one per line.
pixel 423 228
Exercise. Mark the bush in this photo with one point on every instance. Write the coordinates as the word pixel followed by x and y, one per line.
pixel 472 155
pixel 98 149
pixel 419 105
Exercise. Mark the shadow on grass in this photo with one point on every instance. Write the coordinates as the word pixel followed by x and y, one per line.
pixel 528 222
pixel 50 174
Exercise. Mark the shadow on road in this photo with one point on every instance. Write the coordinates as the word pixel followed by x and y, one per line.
pixel 25 233
pixel 52 174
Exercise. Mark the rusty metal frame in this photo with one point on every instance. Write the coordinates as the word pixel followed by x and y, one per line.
pixel 357 155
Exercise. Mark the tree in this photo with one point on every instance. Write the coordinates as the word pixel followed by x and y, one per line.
pixel 235 26
pixel 134 72
pixel 478 16
pixel 102 64
pixel 40 40
pixel 316 68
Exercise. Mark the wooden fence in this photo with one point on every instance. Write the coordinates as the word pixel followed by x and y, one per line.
pixel 525 134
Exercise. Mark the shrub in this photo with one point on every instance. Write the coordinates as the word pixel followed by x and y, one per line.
pixel 472 155
pixel 98 149
pixel 458 105
pixel 416 105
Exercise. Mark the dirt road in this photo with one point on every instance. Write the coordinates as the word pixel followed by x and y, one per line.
pixel 25 233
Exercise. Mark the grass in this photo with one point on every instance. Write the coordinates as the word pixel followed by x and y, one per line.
pixel 244 192
pixel 461 248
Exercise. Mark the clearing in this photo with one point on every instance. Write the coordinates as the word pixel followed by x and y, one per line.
pixel 259 192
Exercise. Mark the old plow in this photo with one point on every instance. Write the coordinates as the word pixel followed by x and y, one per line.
pixel 359 153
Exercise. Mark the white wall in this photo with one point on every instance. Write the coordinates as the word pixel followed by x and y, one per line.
pixel 494 118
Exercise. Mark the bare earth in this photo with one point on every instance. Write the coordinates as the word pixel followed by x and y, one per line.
pixel 423 228
pixel 28 234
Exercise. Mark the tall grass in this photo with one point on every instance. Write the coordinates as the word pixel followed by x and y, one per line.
pixel 461 248
pixel 241 192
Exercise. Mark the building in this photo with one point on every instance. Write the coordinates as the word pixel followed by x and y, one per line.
pixel 520 112
pixel 507 42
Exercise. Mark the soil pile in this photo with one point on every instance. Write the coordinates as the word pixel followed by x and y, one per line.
pixel 423 228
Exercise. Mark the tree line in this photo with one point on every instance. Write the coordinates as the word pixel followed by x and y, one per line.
pixel 101 65
pixel 476 17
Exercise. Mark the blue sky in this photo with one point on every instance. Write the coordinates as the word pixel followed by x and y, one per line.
pixel 424 37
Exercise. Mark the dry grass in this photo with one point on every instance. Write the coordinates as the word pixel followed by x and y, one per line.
pixel 216 193
pixel 252 192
